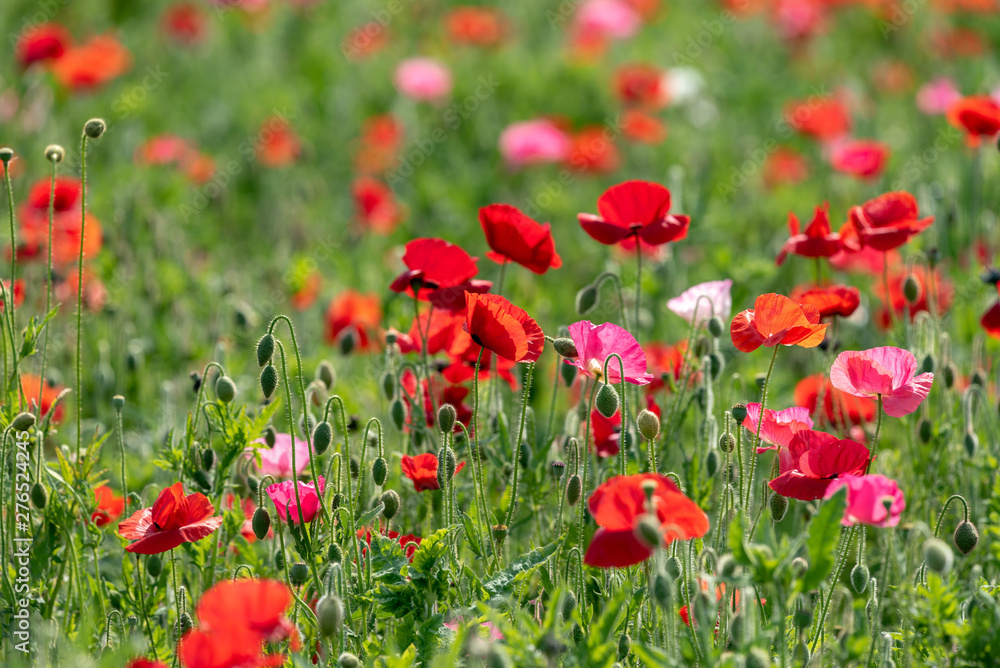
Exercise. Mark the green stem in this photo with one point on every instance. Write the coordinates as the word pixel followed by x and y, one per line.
pixel 585 455
pixel 878 429
pixel 517 448
pixel 79 297
pixel 638 282
pixel 142 606
pixel 821 621
pixel 477 462
pixel 9 302
pixel 760 422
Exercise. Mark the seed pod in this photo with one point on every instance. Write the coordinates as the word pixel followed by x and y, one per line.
pixel 380 470
pixel 23 422
pixel 261 523
pixel 925 431
pixel 859 578
pixel 949 372
pixel 586 299
pixel 727 442
pixel 6 154
pixel 398 413
pixel 207 458
pixel 966 536
pixel 327 374
pixel 648 530
pixel 268 380
pixel 624 646
pixel 568 605
pixel 938 555
pixel 558 469
pixel 95 127
pixel 673 567
pixel 447 415
pixel 225 389
pixel 970 443
pixel 716 327
pixel 330 614
pixel 335 554
pixel 118 402
pixel 322 436
pixel 55 153
pixel 39 497
pixel 574 489
pixel 565 347
pixel 711 463
pixel 662 590
pixel 568 373
pixel 154 566
pixel 391 500
pixel 388 385
pixel 265 349
pixel 911 289
pixel 778 505
pixel 739 413
pixel 298 574
pixel 279 560
pixel 607 401
pixel 649 424
pixel 927 365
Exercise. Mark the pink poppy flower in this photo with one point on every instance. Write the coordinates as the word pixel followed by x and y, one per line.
pixel 283 495
pixel 860 158
pixel 594 343
pixel 423 79
pixel 813 460
pixel 487 630
pixel 614 19
pixel 871 499
pixel 779 426
pixel 533 142
pixel 277 461
pixel 886 371
pixel 934 97
pixel 702 301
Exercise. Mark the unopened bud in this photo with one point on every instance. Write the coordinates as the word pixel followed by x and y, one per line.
pixel 398 413
pixel 298 574
pixel 23 421
pixel 727 442
pixel 970 443
pixel 261 523
pixel 348 660
pixel 380 470
pixel 335 554
pixel 799 567
pixel 726 568
pixel 207 458
pixel 447 415
pixel 39 497
pixel 778 505
pixel 330 614
pixel 574 489
pixel 739 413
pixel 716 327
pixel 648 530
pixel 911 289
pixel 607 401
pixel 938 555
pixel 265 349
pixel 927 365
pixel 391 500
pixel 154 566
pixel 586 299
pixel 925 431
pixel 95 127
pixel 326 374
pixel 225 389
pixel 568 373
pixel 948 373
pixel 568 605
pixel 55 153
pixel 322 437
pixel 673 567
pixel 347 341
pixel 649 424
pixel 711 463
pixel 859 578
pixel 966 536
pixel 565 347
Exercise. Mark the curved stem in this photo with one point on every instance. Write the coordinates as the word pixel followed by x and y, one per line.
pixel 821 621
pixel 944 509
pixel 878 429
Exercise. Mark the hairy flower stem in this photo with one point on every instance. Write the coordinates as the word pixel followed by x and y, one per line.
pixel 878 429
pixel 552 402
pixel 9 304
pixel 838 571
pixel 638 284
pixel 79 297
pixel 291 432
pixel 756 440
pixel 585 456
pixel 48 294
pixel 477 461
pixel 121 450
pixel 142 606
pixel 517 447
pixel 423 350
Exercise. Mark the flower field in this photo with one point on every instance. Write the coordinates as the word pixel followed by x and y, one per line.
pixel 555 333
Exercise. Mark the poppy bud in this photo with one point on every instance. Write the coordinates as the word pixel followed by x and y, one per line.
pixel 759 381
pixel 95 127
pixel 673 567
pixel 348 660
pixel 948 372
pixel 380 470
pixel 802 619
pixel 195 381
pixel 938 555
pixel 716 327
pixel 347 342
pixel 568 373
pixel 279 560
pixel 859 578
pixel 565 347
pixel 758 657
pixel 648 530
pixel 624 646
pixel 118 402
pixel 322 436
pixel 574 489
pixel 154 566
pixel 738 629
pixel 265 349
pixel 202 480
pixel 716 363
pixel 268 380
pixel 966 536
pixel 23 422
pixel 662 590
pixel 184 624
pixel 799 567
pixel 447 415
pixel 261 523
pixel 971 443
pixel 586 299
pixel 911 289
pixel 446 466
pixel 298 574
pixel 978 378
pixel 391 500
pixel 388 385
pixel 727 442
pixel 927 365
pixel 778 505
pixel 925 431
pixel 398 413
pixel 207 458
pixel 607 401
pixel 326 374
pixel 253 484
pixel 711 463
pixel 702 347
pixel 336 501
pixel 355 467
pixel 558 469
pixel 499 533
pixel 524 455
pixel 335 555
pixel 39 497
pixel 6 154
pixel 115 598
pixel 330 614
pixel 800 655
pixel 726 567
pixel 739 413
pixel 649 424
pixel 225 389
pixel 568 605
pixel 933 256
pixel 578 636
pixel 55 153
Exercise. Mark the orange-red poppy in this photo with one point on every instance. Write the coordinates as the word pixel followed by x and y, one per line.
pixel 883 223
pixel 499 326
pixel 476 26
pixel 839 408
pixel 815 241
pixel 422 470
pixel 47 41
pixel 357 313
pixel 92 64
pixel 777 320
pixel 375 205
pixel 173 519
pixel 433 264
pixel 830 300
pixel 978 116
pixel 109 506
pixel 638 126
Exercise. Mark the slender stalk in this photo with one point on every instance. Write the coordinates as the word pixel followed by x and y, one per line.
pixel 477 462
pixel 878 429
pixel 760 422
pixel 142 606
pixel 517 448
pixel 885 286
pixel 9 302
pixel 48 290
pixel 79 297
pixel 638 282
pixel 585 455
pixel 821 620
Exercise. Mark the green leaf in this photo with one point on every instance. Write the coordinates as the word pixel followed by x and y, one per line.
pixel 523 564
pixel 388 559
pixel 370 516
pixel 823 532
pixel 737 544
pixel 404 660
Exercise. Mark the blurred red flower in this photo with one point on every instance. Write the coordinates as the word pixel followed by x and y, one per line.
pixel 32 385
pixel 824 119
pixel 34 224
pixel 18 291
pixel 978 116
pixel 48 41
pixel 433 264
pixel 831 300
pixel 185 23
pixel 635 208
pixel 359 314
pixel 92 64
pixel 477 26
pixel 785 166
pixel 777 320
pixel 109 506
pixel 638 126
pixel 305 290
pixel 839 408
pixel 641 85
pixel 515 237
pixel 375 205
pixel 860 158
pixel 497 325
pixel 943 289
pixel 816 241
pixel 173 519
pixel 664 360
pixel 883 223
pixel 592 151
pixel 277 144
pixel 991 319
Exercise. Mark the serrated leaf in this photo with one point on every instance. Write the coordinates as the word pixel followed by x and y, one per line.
pixel 523 564
pixel 388 558
pixel 370 516
pixel 823 533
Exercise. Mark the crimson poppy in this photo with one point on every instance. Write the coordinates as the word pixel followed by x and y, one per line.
pixel 173 519
pixel 378 150
pixel 47 41
pixel 92 64
pixel 831 300
pixel 305 289
pixel 606 432
pixel 452 298
pixel 642 85
pixel 375 205
pixel 476 26
pixel 635 208
pixel 943 289
pixel 618 504
pixel 813 460
pixel 665 361
pixel 883 223
pixel 497 325
pixel 823 119
pixel 991 319
pixel 277 144
pixel 109 506
pixel 777 320
pixel 515 237
pixel 185 23
pixel 785 167
pixel 815 241
pixel 839 408
pixel 143 662
pixel 32 386
pixel 640 127
pixel 34 224
pixel 422 470
pixel 358 314
pixel 978 116
pixel 433 264
pixel 409 542
pixel 860 158
pixel 17 289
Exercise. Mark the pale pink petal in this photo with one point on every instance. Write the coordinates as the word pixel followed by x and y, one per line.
pixel 900 364
pixel 423 79
pixel 609 18
pixel 536 141
pixel 907 399
pixel 704 300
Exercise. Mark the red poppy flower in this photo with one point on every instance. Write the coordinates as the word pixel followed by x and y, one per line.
pixel 664 360
pixel 477 26
pixel 777 320
pixel 785 167
pixel 422 470
pixel 823 119
pixel 839 408
pixel 496 324
pixel 277 144
pixel 862 158
pixel 813 460
pixel 143 662
pixel 452 299
pixel 720 593
pixel 375 205
pixel 381 139
pixel 185 23
pixel 18 291
pixel 433 264
pixel 641 85
pixel 441 330
pixel 173 519
pixel 635 208
pixel 515 237
pixel 944 293
pixel 409 542
pixel 816 241
pixel 32 384
pixel 34 224
pixel 305 289
pixel 638 126
pixel 47 41
pixel 89 65
pixel 109 506
pixel 593 151
pixel 606 432
pixel 618 504
pixel 978 116
pixel 365 40
pixel 883 223
pixel 353 312
pixel 991 319
pixel 842 300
